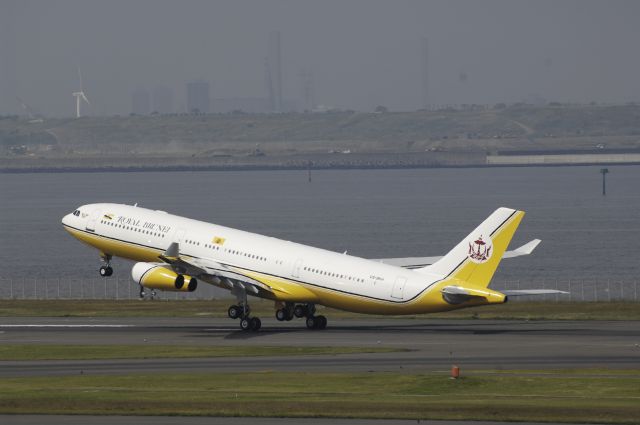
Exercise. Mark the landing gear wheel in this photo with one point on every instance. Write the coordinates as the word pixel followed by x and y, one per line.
pixel 255 323
pixel 312 322
pixel 322 322
pixel 245 324
pixel 300 311
pixel 234 312
pixel 106 271
pixel 282 314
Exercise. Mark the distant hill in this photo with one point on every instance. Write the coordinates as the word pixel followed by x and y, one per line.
pixel 514 127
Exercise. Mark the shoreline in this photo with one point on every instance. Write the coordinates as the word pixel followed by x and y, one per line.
pixel 363 161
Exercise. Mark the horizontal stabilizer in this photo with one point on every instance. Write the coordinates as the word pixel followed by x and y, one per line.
pixel 525 249
pixel 418 262
pixel 521 292
pixel 456 294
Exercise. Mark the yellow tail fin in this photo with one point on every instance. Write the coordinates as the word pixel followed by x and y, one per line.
pixel 475 259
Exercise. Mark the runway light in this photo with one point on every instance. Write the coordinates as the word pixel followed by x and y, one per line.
pixel 455 372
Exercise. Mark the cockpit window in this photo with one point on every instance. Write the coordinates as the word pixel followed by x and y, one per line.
pixel 76 213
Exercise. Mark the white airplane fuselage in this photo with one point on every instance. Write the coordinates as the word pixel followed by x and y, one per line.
pixel 289 272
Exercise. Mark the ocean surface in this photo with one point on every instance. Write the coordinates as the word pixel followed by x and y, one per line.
pixel 369 213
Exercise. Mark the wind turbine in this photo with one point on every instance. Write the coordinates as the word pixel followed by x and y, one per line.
pixel 80 96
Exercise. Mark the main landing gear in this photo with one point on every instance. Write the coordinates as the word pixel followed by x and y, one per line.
pixel 289 311
pixel 106 270
pixel 242 311
pixel 247 323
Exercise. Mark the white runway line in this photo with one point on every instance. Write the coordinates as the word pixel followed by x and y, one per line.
pixel 65 326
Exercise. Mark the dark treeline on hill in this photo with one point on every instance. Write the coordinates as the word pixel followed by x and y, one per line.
pixel 442 129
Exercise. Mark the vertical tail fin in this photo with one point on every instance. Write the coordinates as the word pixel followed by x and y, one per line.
pixel 476 258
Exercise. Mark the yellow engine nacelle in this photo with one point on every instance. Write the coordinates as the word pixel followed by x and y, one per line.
pixel 157 276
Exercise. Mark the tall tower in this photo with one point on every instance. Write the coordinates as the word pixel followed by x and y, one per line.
pixel 424 49
pixel 275 65
pixel 308 89
pixel 268 82
pixel 8 55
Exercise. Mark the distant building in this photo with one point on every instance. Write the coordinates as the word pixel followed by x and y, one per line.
pixel 198 97
pixel 162 100
pixel 140 104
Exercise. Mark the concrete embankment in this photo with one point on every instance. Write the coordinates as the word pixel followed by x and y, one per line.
pixel 303 161
pixel 564 159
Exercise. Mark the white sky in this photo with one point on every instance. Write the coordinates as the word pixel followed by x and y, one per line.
pixel 362 52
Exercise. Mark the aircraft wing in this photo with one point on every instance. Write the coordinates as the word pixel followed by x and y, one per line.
pixel 217 272
pixel 418 262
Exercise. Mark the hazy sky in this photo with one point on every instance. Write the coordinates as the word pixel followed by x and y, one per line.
pixel 362 52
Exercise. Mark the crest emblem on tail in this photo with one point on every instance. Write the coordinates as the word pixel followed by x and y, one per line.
pixel 480 250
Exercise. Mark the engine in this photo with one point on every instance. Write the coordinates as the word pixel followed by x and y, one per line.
pixel 157 276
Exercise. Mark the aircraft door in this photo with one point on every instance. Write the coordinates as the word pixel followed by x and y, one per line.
pixel 91 222
pixel 398 288
pixel 296 268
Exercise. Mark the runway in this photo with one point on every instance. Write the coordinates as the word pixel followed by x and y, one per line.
pixel 208 420
pixel 434 345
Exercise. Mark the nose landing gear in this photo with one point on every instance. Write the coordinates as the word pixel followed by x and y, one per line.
pixel 106 270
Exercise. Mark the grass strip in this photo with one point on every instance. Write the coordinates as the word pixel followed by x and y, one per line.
pixel 571 398
pixel 104 352
pixel 218 308
pixel 585 373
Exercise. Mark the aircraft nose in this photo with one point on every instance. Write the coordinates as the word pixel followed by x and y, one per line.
pixel 66 219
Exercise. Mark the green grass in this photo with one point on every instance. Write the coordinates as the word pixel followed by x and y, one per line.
pixel 570 398
pixel 218 308
pixel 103 352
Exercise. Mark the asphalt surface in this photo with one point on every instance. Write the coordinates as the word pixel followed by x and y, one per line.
pixel 434 345
pixel 168 420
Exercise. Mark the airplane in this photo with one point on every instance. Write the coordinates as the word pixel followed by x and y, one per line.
pixel 174 253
